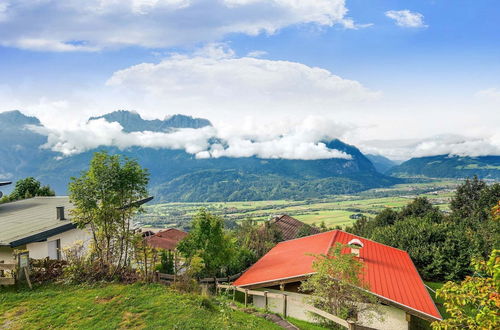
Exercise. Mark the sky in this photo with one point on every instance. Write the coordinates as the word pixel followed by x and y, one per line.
pixel 276 77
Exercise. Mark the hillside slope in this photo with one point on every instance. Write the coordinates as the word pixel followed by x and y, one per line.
pixel 444 166
pixel 118 306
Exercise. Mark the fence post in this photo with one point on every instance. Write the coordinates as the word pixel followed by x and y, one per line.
pixel 265 299
pixel 352 325
pixel 246 297
pixel 234 293
pixel 284 306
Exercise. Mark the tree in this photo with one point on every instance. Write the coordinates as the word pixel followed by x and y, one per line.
pixel 145 257
pixel 304 230
pixel 29 187
pixel 336 287
pixel 475 302
pixel 105 199
pixel 474 199
pixel 208 241
pixel 421 207
pixel 258 238
pixel 439 250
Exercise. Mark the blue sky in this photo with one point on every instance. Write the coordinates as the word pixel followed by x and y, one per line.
pixel 434 73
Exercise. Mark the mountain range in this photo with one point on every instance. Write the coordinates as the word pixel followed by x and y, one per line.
pixel 179 176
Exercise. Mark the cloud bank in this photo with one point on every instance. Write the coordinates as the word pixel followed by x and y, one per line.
pixel 96 24
pixel 447 144
pixel 406 18
pixel 215 79
pixel 301 141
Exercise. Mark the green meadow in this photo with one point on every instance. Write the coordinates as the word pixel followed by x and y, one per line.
pixel 334 211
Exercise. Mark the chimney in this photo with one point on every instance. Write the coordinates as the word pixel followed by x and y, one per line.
pixel 60 213
pixel 355 245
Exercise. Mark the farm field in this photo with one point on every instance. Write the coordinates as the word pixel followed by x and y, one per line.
pixel 118 306
pixel 334 211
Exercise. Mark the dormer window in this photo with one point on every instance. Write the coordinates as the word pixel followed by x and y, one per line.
pixel 355 245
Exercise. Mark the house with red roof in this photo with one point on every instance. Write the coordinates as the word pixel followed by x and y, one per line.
pixel 166 239
pixel 389 273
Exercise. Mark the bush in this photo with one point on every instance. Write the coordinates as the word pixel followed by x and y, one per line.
pixel 46 270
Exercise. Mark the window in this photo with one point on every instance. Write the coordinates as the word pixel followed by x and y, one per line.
pixel 54 249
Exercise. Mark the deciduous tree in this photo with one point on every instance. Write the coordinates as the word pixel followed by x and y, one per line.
pixel 475 302
pixel 105 199
pixel 337 285
pixel 208 240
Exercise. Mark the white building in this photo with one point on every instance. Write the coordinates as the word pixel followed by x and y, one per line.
pixel 40 225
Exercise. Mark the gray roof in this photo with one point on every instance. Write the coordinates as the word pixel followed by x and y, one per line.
pixel 32 220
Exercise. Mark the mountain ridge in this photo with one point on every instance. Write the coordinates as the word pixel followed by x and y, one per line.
pixel 448 166
pixel 179 176
pixel 132 121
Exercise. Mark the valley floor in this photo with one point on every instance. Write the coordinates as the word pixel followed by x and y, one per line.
pixel 338 210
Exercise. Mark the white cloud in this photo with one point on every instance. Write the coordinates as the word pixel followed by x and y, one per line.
pixel 300 141
pixel 257 53
pixel 96 133
pixel 215 80
pixel 490 94
pixel 446 144
pixel 406 18
pixel 74 25
pixel 51 45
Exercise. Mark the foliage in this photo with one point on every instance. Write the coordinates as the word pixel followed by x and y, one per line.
pixel 208 240
pixel 81 268
pixel 187 280
pixel 475 302
pixel 258 238
pixel 166 262
pixel 27 188
pixel 438 250
pixel 336 287
pixel 104 197
pixel 441 246
pixel 117 306
pixel 46 270
pixel 304 230
pixel 145 257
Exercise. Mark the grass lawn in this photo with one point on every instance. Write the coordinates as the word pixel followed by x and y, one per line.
pixel 114 306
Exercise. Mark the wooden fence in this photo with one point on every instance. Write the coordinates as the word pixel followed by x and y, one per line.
pixel 286 299
pixel 166 278
pixel 7 280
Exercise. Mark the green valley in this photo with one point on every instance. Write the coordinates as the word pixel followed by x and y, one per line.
pixel 340 210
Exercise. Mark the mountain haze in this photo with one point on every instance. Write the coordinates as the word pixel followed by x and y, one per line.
pixel 179 176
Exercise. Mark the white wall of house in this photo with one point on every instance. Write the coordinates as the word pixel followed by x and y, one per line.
pixel 41 250
pixel 6 254
pixel 391 318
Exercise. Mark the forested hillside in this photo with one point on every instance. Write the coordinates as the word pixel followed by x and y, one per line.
pixel 446 166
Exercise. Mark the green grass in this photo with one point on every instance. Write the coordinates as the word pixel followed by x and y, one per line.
pixel 438 301
pixel 303 325
pixel 112 306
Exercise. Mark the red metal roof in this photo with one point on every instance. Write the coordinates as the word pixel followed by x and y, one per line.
pixel 166 239
pixel 388 272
